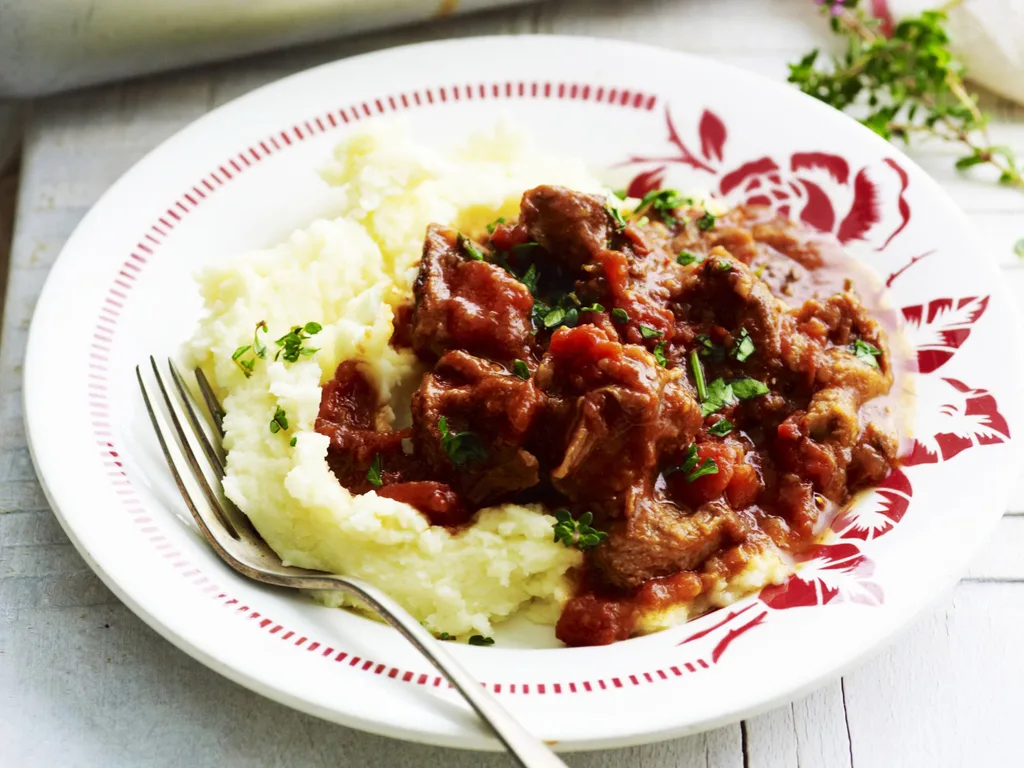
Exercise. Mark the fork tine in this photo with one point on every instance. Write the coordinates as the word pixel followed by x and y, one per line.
pixel 215 453
pixel 190 456
pixel 212 404
pixel 169 458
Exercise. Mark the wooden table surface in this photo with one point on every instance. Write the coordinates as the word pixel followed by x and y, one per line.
pixel 83 682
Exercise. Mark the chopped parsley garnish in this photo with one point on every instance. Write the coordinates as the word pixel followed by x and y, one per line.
pixel 529 279
pixel 706 345
pixel 745 389
pixel 723 265
pixel 293 441
pixel 592 308
pixel 719 395
pixel 664 202
pixel 865 352
pixel 707 467
pixel 622 194
pixel 280 420
pixel 620 315
pixel 520 369
pixel 577 533
pixel 481 640
pixel 258 350
pixel 744 346
pixel 706 222
pixel 698 377
pixel 461 447
pixel 373 473
pixel 689 466
pixel 659 354
pixel 650 333
pixel 721 428
pixel 554 317
pixel 759 271
pixel 469 248
pixel 686 258
pixel 494 225
pixel 445 636
pixel 617 217
pixel 290 344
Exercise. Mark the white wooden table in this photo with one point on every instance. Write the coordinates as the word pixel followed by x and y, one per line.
pixel 83 682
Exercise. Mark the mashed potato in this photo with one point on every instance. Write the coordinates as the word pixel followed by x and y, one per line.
pixel 347 274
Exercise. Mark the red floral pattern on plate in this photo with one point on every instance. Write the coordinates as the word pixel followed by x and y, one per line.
pixel 940 327
pixel 820 188
pixel 876 513
pixel 827 572
pixel 963 417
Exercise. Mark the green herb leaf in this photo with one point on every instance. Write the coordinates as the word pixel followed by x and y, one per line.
pixel 622 194
pixel 616 216
pixel 291 344
pixel 445 636
pixel 620 315
pixel 745 389
pixel 554 317
pixel 293 441
pixel 719 395
pixel 722 265
pixel 494 225
pixel 1018 248
pixel 529 279
pixel 865 352
pixel 689 462
pixel 520 369
pixel 659 354
pixel 280 420
pixel 258 349
pixel 481 640
pixel 744 346
pixel 686 258
pixel 462 447
pixel 706 222
pixel 373 474
pixel 469 248
pixel 650 333
pixel 707 467
pixel 698 377
pixel 592 308
pixel 721 428
pixel 576 533
pixel 664 202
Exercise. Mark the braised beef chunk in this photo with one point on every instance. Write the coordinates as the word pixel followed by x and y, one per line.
pixel 625 411
pixel 488 413
pixel 466 303
pixel 571 226
pixel 657 538
pixel 696 390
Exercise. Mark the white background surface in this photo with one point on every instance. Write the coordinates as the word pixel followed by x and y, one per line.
pixel 85 683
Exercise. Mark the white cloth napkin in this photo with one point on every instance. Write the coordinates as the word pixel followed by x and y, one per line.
pixel 987 35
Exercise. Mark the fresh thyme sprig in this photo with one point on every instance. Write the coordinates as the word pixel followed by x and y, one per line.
pixel 909 82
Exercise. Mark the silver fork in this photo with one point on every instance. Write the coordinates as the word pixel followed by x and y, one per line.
pixel 238 544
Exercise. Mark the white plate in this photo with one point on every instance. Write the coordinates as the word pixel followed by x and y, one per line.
pixel 244 176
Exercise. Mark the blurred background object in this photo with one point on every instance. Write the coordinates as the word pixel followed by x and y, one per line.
pixel 54 45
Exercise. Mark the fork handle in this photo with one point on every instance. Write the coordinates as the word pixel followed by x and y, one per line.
pixel 527 749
